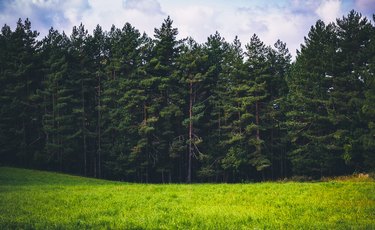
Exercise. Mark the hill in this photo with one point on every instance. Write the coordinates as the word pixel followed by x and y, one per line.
pixel 43 200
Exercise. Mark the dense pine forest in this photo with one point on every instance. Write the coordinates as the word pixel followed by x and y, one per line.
pixel 122 105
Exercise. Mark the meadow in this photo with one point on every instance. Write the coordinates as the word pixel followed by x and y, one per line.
pixel 32 199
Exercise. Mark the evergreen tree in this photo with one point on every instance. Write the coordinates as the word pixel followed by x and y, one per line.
pixel 280 64
pixel 368 109
pixel 348 86
pixel 121 105
pixel 7 83
pixel 82 82
pixel 236 113
pixel 191 74
pixel 310 129
pixel 215 87
pixel 98 53
pixel 162 114
pixel 258 71
pixel 109 107
pixel 124 98
pixel 20 120
pixel 57 99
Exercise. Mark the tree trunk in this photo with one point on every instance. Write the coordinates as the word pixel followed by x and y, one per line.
pixel 190 130
pixel 219 122
pixel 61 155
pixel 85 154
pixel 282 153
pixel 257 123
pixel 99 131
pixel 239 117
pixel 84 132
pixel 55 124
pixel 272 154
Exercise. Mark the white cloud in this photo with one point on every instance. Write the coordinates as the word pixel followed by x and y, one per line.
pixel 43 14
pixel 286 25
pixel 195 21
pixel 329 10
pixel 64 14
pixel 147 6
pixel 288 20
pixel 270 24
pixel 145 15
pixel 43 3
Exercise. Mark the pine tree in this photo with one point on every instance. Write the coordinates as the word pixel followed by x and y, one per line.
pixel 124 111
pixel 236 112
pixel 122 105
pixel 191 74
pixel 98 51
pixel 259 73
pixel 279 61
pixel 353 40
pixel 310 129
pixel 368 109
pixel 20 120
pixel 214 86
pixel 57 98
pixel 162 115
pixel 83 85
pixel 7 82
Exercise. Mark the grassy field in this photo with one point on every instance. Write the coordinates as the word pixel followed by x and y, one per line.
pixel 42 200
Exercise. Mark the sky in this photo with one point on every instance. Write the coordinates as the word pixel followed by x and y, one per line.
pixel 287 20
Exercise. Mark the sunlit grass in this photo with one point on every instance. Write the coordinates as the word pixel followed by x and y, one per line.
pixel 41 200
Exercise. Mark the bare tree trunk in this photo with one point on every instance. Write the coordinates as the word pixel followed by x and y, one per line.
pixel 282 154
pixel 257 123
pixel 99 131
pixel 94 165
pixel 239 117
pixel 61 155
pixel 54 123
pixel 85 154
pixel 145 113
pixel 263 175
pixel 56 136
pixel 282 165
pixel 84 132
pixel 219 123
pixel 272 153
pixel 190 130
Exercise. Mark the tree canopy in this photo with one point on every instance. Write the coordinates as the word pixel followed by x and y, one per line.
pixel 122 105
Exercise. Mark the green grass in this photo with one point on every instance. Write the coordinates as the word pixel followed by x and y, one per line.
pixel 42 200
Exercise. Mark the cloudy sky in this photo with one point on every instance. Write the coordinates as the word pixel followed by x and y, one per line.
pixel 288 20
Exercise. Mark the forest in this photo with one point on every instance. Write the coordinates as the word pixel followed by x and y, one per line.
pixel 122 105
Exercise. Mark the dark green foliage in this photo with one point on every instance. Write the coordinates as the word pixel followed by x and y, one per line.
pixel 368 108
pixel 191 72
pixel 327 94
pixel 310 84
pixel 19 79
pixel 354 40
pixel 57 98
pixel 124 106
pixel 214 94
pixel 163 111
pixel 124 98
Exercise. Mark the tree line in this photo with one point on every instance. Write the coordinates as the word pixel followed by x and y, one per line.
pixel 122 105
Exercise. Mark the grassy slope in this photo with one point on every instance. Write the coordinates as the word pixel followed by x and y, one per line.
pixel 34 199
